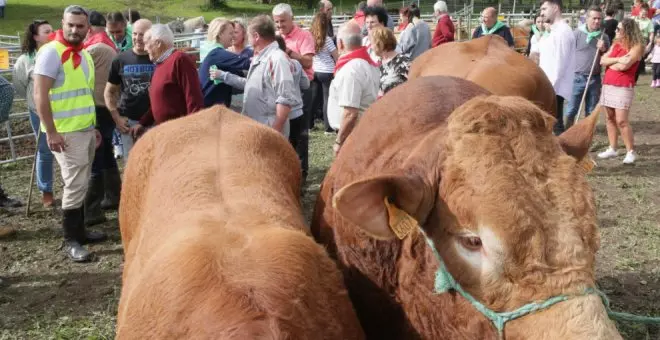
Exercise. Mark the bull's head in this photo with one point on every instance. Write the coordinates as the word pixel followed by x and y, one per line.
pixel 509 212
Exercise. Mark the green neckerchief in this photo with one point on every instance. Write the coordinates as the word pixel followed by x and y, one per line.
pixel 485 31
pixel 205 47
pixel 590 35
pixel 537 32
pixel 127 43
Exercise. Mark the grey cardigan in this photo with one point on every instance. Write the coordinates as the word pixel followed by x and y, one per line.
pixel 415 39
pixel 22 78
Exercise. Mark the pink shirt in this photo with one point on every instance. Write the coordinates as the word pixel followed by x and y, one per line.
pixel 301 42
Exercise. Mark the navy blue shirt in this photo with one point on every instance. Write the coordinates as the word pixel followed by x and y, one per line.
pixel 226 61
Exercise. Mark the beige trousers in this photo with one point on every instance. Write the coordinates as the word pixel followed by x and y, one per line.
pixel 76 164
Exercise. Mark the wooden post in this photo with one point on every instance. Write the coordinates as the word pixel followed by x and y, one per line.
pixel 459 28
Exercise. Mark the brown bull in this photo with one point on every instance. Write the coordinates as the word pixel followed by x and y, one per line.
pixel 214 240
pixel 489 62
pixel 507 208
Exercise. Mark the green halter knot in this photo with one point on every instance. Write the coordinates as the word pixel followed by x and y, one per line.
pixel 445 282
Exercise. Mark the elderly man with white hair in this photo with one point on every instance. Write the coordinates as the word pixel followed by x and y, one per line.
pixel 355 86
pixel 299 46
pixel 175 90
pixel 444 30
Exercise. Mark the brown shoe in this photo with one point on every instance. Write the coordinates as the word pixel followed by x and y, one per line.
pixel 6 232
pixel 47 199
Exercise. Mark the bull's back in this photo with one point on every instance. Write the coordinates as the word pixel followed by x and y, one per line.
pixel 214 159
pixel 489 62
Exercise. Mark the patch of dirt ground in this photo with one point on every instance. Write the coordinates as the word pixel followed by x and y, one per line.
pixel 44 296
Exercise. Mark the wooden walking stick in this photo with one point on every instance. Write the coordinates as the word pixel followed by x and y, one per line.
pixel 34 168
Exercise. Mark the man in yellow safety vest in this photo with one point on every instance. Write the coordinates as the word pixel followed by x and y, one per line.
pixel 64 97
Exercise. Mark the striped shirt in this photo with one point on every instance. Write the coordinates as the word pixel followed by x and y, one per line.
pixel 323 61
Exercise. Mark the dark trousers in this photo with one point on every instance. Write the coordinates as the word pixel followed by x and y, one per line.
pixel 656 71
pixel 559 125
pixel 299 132
pixel 104 158
pixel 320 91
pixel 640 69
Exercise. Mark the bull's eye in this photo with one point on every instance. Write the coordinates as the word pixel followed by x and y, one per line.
pixel 472 243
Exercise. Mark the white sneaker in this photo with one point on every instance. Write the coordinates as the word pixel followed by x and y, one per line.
pixel 609 153
pixel 630 157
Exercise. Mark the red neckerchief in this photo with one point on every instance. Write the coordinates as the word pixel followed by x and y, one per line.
pixel 99 38
pixel 360 53
pixel 70 50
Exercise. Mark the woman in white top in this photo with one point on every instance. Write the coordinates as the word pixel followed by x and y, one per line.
pixel 36 35
pixel 324 68
pixel 539 31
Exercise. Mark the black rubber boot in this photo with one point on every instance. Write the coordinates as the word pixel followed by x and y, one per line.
pixel 112 188
pixel 88 235
pixel 93 198
pixel 73 235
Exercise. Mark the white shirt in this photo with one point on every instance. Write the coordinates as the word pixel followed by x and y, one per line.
pixel 557 58
pixel 355 85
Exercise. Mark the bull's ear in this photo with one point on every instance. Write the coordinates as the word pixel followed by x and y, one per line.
pixel 576 141
pixel 385 206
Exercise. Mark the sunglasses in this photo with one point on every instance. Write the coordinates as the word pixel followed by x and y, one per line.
pixel 39 22
pixel 618 29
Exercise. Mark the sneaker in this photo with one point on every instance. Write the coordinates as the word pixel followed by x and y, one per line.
pixel 656 83
pixel 609 153
pixel 630 157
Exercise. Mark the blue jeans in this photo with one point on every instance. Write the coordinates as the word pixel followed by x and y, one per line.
pixel 44 157
pixel 593 96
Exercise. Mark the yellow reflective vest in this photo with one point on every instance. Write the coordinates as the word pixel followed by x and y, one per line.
pixel 72 103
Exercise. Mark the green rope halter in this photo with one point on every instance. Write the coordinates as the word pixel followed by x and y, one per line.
pixel 444 281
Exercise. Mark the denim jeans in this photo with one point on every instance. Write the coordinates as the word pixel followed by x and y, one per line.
pixel 593 96
pixel 127 141
pixel 44 157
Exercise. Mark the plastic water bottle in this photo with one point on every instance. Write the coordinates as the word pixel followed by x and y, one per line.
pixel 216 81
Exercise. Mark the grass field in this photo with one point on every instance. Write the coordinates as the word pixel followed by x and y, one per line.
pixel 47 297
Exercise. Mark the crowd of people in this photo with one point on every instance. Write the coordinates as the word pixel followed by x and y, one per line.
pixel 102 80
pixel 574 61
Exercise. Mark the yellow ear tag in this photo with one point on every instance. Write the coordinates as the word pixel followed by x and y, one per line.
pixel 401 223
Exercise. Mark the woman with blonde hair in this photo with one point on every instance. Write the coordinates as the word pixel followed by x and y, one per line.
pixel 617 95
pixel 211 43
pixel 324 67
pixel 220 34
pixel 394 66
pixel 240 43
